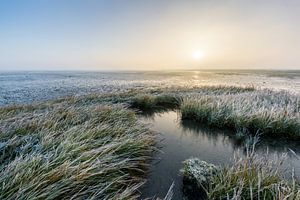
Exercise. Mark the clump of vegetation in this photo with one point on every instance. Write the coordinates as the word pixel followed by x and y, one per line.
pixel 250 177
pixel 197 175
pixel 171 98
pixel 270 113
pixel 147 102
pixel 200 170
pixel 69 152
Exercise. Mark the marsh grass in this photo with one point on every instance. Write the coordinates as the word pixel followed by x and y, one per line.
pixel 67 152
pixel 253 177
pixel 151 102
pixel 172 98
pixel 270 113
pixel 250 177
pixel 93 147
pixel 157 97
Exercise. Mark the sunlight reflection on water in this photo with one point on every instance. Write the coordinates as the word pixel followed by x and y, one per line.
pixel 26 87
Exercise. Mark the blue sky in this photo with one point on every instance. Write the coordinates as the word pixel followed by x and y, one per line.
pixel 153 34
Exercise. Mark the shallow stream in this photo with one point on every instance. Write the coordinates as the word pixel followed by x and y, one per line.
pixel 179 140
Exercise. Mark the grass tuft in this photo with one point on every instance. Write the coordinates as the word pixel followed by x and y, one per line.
pixel 270 113
pixel 253 177
pixel 147 102
pixel 67 152
pixel 249 178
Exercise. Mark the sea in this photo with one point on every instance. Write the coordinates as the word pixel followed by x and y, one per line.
pixel 23 87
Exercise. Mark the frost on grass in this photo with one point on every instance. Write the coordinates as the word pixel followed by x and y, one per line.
pixel 199 170
pixel 72 151
pixel 274 114
pixel 250 177
pixel 197 175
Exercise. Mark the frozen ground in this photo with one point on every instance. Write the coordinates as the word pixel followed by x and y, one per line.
pixel 26 87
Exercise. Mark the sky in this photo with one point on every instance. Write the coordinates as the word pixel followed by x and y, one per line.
pixel 149 34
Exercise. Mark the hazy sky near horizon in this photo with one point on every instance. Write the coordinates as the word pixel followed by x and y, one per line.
pixel 149 34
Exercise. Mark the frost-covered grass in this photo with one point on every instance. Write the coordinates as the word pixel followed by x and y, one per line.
pixel 264 111
pixel 93 146
pixel 172 98
pixel 62 151
pixel 249 178
pixel 159 102
pixel 142 99
pixel 253 177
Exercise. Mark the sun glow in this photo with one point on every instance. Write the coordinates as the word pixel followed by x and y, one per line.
pixel 197 55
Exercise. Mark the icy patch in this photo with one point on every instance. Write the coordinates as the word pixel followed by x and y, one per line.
pixel 27 87
pixel 199 170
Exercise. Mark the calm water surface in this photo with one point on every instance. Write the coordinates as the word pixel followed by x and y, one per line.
pixel 180 140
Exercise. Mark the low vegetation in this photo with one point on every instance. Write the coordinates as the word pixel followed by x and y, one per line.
pixel 250 177
pixel 67 152
pixel 264 111
pixel 160 102
pixel 94 147
pixel 172 98
pixel 242 109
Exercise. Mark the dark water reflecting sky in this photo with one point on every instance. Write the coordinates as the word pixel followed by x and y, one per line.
pixel 180 140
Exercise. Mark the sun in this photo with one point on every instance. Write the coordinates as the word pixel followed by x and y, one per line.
pixel 197 55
